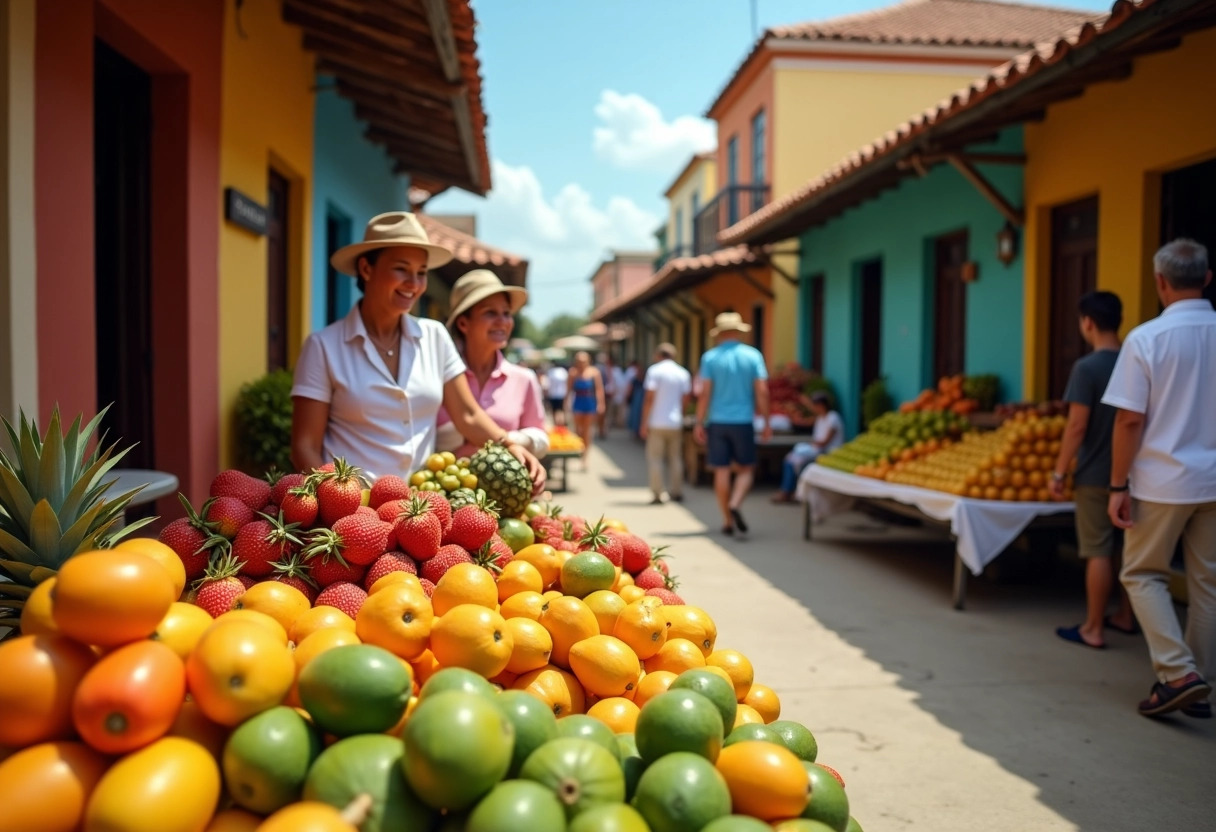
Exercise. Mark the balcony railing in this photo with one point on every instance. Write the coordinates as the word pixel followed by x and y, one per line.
pixel 671 254
pixel 731 204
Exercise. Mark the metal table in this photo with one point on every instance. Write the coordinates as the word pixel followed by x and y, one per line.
pixel 555 466
pixel 156 484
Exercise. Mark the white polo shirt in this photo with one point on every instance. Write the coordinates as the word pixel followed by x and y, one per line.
pixel 382 424
pixel 670 383
pixel 1167 371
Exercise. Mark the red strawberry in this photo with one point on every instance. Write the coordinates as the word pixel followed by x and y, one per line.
pixel 247 581
pixel 284 484
pixel 270 510
pixel 262 542
pixel 323 554
pixel 473 525
pixel 386 563
pixel 366 511
pixel 391 511
pixel 440 505
pixel 344 595
pixel 494 555
pixel 228 514
pixel 597 539
pixel 339 492
pixel 219 586
pixel 251 491
pixel 419 532
pixel 668 597
pixel 299 506
pixel 635 553
pixel 448 556
pixel 192 540
pixel 427 586
pixel 832 772
pixel 293 571
pixel 327 468
pixel 365 537
pixel 389 487
pixel 649 578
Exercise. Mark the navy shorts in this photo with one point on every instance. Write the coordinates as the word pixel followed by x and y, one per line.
pixel 730 443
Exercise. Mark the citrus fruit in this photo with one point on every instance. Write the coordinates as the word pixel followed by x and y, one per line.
pixel 581 726
pixel 631 762
pixel 308 816
pixel 533 721
pixel 238 669
pixel 162 554
pixel 320 641
pixel 765 779
pixel 618 713
pixel 472 637
pixel 606 605
pixel 737 823
pixel 525 604
pixel 457 746
pixel 797 738
pixel 692 623
pixel 399 619
pixel 676 655
pixel 455 678
pixel 679 720
pixel 605 665
pixel 609 817
pixel 516 533
pixel 828 804
pixel 532 645
pixel 111 597
pixel 424 667
pixel 282 602
pixel 557 688
pixel 267 757
pixel 587 572
pixel 544 557
pixel 38 616
pixel 518 576
pixel 765 700
pixel 568 620
pixel 368 764
pixel 517 805
pixel 355 689
pixel 747 715
pixel 752 731
pixel 192 724
pixel 130 697
pixel 682 792
pixel 38 675
pixel 464 583
pixel 260 618
pixel 238 820
pixel 171 785
pixel 737 667
pixel 581 773
pixel 319 618
pixel 182 627
pixel 642 627
pixel 395 577
pixel 47 786
pixel 712 687
pixel 632 594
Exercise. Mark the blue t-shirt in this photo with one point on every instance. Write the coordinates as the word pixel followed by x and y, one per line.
pixel 732 368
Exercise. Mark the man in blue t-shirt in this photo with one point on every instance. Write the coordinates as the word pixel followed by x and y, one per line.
pixel 733 390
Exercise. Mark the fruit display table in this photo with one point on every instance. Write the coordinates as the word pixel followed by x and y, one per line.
pixel 555 465
pixel 982 529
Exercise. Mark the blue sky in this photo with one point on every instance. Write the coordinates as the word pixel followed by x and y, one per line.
pixel 594 106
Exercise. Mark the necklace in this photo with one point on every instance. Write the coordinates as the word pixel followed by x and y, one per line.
pixel 376 343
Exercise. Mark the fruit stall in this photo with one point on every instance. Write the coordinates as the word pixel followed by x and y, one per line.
pixel 312 653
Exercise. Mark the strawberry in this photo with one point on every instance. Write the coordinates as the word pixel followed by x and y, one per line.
pixel 293 571
pixel 238 485
pixel 262 542
pixel 473 525
pixel 228 514
pixel 219 587
pixel 419 531
pixel 192 539
pixel 427 586
pixel 284 484
pixel 597 539
pixel 386 563
pixel 339 492
pixel 440 505
pixel 494 555
pixel 344 595
pixel 299 506
pixel 389 487
pixel 247 581
pixel 649 578
pixel 323 554
pixel 832 772
pixel 635 553
pixel 391 511
pixel 665 595
pixel 270 510
pixel 449 555
pixel 365 537
pixel 327 468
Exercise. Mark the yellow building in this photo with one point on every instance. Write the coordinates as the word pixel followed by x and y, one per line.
pixel 692 189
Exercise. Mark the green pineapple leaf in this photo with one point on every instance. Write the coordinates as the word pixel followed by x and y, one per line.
pixel 16 497
pixel 45 534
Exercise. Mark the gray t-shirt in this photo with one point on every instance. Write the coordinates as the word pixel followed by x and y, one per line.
pixel 1086 384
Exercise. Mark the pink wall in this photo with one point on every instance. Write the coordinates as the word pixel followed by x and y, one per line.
pixel 734 117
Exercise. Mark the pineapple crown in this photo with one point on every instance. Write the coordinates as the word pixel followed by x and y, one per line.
pixel 325 543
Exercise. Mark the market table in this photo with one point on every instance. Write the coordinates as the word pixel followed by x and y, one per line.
pixel 982 528
pixel 772 451
pixel 155 484
pixel 555 463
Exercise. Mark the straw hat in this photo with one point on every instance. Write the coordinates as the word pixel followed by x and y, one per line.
pixel 729 322
pixel 476 286
pixel 396 228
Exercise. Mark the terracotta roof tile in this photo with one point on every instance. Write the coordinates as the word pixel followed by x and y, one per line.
pixel 707 264
pixel 470 251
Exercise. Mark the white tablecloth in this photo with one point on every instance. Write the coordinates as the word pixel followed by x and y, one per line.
pixel 983 527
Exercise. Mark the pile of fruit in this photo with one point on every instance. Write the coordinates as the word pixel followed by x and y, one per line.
pixel 444 472
pixel 949 396
pixel 788 393
pixel 895 437
pixel 1041 409
pixel 562 440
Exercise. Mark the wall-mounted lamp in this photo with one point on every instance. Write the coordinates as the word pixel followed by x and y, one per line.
pixel 1007 243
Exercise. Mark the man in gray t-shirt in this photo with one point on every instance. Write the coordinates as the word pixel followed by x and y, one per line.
pixel 1087 439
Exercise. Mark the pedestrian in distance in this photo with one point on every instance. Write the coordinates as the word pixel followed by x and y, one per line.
pixel 585 399
pixel 1086 440
pixel 555 392
pixel 668 387
pixel 827 435
pixel 734 390
pixel 608 378
pixel 1163 477
pixel 618 403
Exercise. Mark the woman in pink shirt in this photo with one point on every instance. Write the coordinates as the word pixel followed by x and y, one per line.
pixel 481 322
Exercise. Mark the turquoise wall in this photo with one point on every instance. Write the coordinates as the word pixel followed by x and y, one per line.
pixel 899 227
pixel 353 180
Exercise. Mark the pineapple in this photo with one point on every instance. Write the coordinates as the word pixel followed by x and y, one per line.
pixel 503 478
pixel 52 505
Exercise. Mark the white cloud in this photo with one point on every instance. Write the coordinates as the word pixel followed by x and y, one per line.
pixel 634 136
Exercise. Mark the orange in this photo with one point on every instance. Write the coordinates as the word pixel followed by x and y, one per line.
pixel 765 701
pixel 239 669
pixel 464 583
pixel 652 684
pixel 395 578
pixel 569 620
pixel 623 579
pixel 606 605
pixel 643 628
pixel 47 786
pixel 259 618
pixel 766 780
pixel 544 558
pixel 162 554
pixel 556 688
pixel 111 598
pixel 519 576
pixel 473 637
pixel 617 713
pixel 320 641
pixel 399 619
pixel 192 724
pixel 38 677
pixel 720 672
pixel 182 627
pixel 553 593
pixel 676 655
pixel 280 601
pixel 308 816
pixel 651 600
pixel 533 645
pixel 234 820
pixel 319 618
pixel 693 624
pixel 737 667
pixel 504 680
pixel 605 666
pixel 526 604
pixel 424 668
pixel 747 715
pixel 631 593
pixel 38 616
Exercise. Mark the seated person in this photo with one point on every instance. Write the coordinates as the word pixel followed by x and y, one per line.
pixel 827 435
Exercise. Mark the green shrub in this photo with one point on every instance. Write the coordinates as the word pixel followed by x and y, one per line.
pixel 875 401
pixel 263 423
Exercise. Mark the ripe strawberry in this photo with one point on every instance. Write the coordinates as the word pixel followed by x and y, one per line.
pixel 635 553
pixel 344 595
pixel 228 514
pixel 365 537
pixel 293 571
pixel 665 595
pixel 270 510
pixel 389 487
pixel 448 556
pixel 339 492
pixel 386 563
pixel 473 525
pixel 597 539
pixel 247 581
pixel 299 506
pixel 284 484
pixel 649 578
pixel 262 542
pixel 494 555
pixel 427 586
pixel 367 511
pixel 219 586
pixel 323 554
pixel 327 468
pixel 832 772
pixel 391 511
pixel 419 532
pixel 251 491
pixel 440 505
pixel 192 539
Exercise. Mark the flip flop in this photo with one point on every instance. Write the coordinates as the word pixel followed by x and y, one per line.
pixel 740 523
pixel 1171 699
pixel 1073 634
pixel 1134 630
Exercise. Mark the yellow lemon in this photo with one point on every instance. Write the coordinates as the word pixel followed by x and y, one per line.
pixel 606 605
pixel 532 648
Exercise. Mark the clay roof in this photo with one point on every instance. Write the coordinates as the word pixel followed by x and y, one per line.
pixel 677 273
pixel 471 253
pixel 1009 94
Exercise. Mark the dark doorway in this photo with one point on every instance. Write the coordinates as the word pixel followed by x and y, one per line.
pixel 276 271
pixel 816 320
pixel 949 305
pixel 1074 271
pixel 122 143
pixel 871 322
pixel 758 327
pixel 686 343
pixel 1188 209
pixel 337 235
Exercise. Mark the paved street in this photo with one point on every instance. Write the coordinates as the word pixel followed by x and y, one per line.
pixel 937 719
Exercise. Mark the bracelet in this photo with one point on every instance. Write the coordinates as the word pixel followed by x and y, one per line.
pixel 1116 489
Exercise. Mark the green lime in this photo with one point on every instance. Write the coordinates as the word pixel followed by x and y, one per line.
pixel 737 823
pixel 713 687
pixel 368 764
pixel 610 817
pixel 588 728
pixel 534 724
pixel 267 757
pixel 682 792
pixel 516 533
pixel 456 678
pixel 797 738
pixel 579 772
pixel 517 806
pixel 750 731
pixel 457 746
pixel 828 804
pixel 679 720
pixel 355 689
pixel 587 572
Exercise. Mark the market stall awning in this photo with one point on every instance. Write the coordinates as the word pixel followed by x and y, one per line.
pixel 411 68
pixel 1013 93
pixel 676 274
pixel 471 253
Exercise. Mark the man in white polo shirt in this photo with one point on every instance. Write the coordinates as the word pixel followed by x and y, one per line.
pixel 667 387
pixel 1163 476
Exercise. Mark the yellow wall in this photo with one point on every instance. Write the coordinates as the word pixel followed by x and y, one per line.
pixel 267 122
pixel 701 180
pixel 1115 141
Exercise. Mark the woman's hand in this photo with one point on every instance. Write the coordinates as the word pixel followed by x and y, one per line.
pixel 536 471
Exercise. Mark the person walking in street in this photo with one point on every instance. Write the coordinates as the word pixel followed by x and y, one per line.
pixel 1087 440
pixel 827 435
pixel 555 392
pixel 667 388
pixel 1163 477
pixel 585 399
pixel 622 383
pixel 734 389
pixel 607 371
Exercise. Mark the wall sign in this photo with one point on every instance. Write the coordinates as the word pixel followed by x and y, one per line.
pixel 243 211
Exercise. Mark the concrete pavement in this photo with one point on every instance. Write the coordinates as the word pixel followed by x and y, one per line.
pixel 937 719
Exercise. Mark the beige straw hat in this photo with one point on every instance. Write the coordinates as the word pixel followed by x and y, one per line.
pixel 396 228
pixel 476 286
pixel 729 322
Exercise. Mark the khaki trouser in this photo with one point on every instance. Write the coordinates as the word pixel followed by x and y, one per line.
pixel 1148 547
pixel 665 445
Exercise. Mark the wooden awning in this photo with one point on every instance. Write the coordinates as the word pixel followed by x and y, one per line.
pixel 470 253
pixel 411 69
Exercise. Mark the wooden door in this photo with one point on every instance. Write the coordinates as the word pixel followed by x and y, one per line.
pixel 870 330
pixel 1188 209
pixel 1074 271
pixel 816 321
pixel 949 305
pixel 277 193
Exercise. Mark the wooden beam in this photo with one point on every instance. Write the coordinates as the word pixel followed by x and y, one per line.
pixel 320 15
pixel 404 74
pixel 445 41
pixel 466 133
pixel 978 158
pixel 744 273
pixel 402 147
pixel 385 97
pixel 416 132
pixel 986 188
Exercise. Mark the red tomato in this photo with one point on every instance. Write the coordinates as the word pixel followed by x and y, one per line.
pixel 130 697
